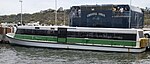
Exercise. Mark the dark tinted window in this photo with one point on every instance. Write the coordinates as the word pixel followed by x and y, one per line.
pixel 37 32
pixel 141 35
pixel 95 35
pixel 115 36
pixel 62 32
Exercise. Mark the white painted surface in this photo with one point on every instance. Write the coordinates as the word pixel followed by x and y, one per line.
pixel 67 46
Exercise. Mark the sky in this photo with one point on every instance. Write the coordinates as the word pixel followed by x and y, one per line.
pixel 8 7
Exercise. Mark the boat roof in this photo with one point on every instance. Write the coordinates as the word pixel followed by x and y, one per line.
pixel 136 9
pixel 133 8
pixel 68 27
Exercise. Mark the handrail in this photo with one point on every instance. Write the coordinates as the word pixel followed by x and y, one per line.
pixel 118 13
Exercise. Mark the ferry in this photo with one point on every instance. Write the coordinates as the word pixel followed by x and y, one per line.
pixel 80 38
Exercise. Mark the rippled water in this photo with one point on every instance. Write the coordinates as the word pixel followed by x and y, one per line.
pixel 29 55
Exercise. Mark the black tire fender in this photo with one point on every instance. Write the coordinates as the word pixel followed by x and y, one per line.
pixel 147 35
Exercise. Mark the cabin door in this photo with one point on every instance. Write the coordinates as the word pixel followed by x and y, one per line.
pixel 62 35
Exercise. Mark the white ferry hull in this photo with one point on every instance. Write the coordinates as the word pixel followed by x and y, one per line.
pixel 0 37
pixel 73 46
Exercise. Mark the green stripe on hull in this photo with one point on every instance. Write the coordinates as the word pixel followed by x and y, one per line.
pixel 36 37
pixel 61 40
pixel 78 40
pixel 102 41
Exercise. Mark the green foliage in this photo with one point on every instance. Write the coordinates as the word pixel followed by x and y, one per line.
pixel 44 17
pixel 48 17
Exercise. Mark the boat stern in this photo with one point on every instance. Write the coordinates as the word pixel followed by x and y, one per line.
pixel 10 35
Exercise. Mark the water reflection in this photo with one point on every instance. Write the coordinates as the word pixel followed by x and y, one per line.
pixel 30 55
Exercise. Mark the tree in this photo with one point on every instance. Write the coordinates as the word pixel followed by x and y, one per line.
pixel 60 9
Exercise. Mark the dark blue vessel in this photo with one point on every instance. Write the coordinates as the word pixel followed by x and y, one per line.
pixel 106 16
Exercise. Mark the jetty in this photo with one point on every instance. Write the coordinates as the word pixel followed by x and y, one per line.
pixel 4 29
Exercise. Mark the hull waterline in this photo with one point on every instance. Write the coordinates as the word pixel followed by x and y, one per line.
pixel 73 46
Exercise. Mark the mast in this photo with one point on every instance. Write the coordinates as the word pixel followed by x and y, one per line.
pixel 130 15
pixel 21 10
pixel 64 17
pixel 56 12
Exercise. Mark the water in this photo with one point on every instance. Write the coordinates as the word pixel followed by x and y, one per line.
pixel 29 55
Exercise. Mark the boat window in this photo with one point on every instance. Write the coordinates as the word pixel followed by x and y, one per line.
pixel 20 31
pixel 37 27
pixel 75 12
pixel 120 10
pixel 62 32
pixel 97 35
pixel 37 32
pixel 40 32
pixel 52 28
pixel 28 31
pixel 51 33
pixel 141 35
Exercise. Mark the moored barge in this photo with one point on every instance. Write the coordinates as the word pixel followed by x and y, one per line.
pixel 84 38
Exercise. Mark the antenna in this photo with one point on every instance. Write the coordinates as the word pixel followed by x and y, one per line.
pixel 130 15
pixel 64 16
pixel 21 10
pixel 56 12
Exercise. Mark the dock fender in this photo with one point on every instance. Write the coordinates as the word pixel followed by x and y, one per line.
pixel 143 42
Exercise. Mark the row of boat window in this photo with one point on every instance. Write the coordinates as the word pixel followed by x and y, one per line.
pixel 97 35
pixel 64 34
